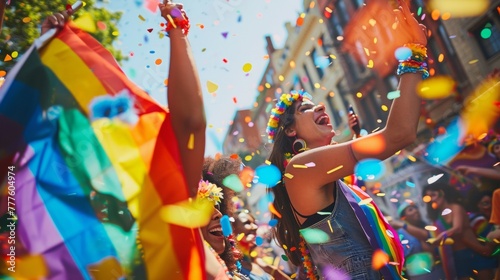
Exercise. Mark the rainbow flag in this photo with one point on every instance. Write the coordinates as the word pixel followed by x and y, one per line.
pixel 379 233
pixel 88 189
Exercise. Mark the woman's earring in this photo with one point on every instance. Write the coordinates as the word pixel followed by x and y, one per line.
pixel 299 146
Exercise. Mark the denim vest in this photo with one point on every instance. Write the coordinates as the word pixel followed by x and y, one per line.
pixel 347 251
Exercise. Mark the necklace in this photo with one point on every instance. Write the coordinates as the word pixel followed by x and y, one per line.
pixel 223 264
pixel 307 261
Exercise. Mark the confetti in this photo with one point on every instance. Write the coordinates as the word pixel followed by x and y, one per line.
pixel 310 164
pixel 335 169
pixel 233 182
pixel 402 53
pixel 436 87
pixel 370 64
pixel 247 67
pixel 410 184
pixel 419 264
pixel 158 61
pixel 379 259
pixel 365 201
pixel 369 169
pixel 268 175
pixel 314 236
pixel 273 210
pixel 460 8
pixel 225 224
pixel 430 228
pixel 190 145
pixel 434 178
pixel 393 94
pixel 259 240
pixel 446 212
pixel 189 213
pixel 273 222
pixel 212 87
pixel 224 34
pixel 299 166
pixel 150 30
pixel 288 175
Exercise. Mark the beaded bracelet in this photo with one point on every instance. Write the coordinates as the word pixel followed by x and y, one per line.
pixel 416 63
pixel 178 22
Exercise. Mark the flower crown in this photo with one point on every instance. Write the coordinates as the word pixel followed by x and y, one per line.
pixel 210 191
pixel 286 100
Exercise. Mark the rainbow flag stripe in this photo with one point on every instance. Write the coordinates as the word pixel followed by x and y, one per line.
pixel 89 191
pixel 379 233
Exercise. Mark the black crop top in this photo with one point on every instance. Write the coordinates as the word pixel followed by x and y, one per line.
pixel 316 217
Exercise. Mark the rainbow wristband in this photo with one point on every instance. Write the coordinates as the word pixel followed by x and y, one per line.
pixel 416 63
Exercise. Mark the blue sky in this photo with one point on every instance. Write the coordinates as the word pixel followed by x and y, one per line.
pixel 246 24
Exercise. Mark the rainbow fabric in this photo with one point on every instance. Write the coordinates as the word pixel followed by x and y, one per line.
pixel 88 192
pixel 379 233
pixel 445 251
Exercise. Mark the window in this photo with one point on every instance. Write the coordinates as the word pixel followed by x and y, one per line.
pixel 269 76
pixel 342 13
pixel 488 37
pixel 319 63
pixel 336 27
pixel 334 111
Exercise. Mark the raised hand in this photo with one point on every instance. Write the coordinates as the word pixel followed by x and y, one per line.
pixel 415 32
pixel 56 20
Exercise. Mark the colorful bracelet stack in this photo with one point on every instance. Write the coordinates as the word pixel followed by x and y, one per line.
pixel 178 22
pixel 416 63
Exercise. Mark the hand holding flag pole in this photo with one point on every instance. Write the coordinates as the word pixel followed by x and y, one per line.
pixel 51 24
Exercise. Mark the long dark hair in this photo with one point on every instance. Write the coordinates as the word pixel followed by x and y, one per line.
pixel 286 232
pixel 451 195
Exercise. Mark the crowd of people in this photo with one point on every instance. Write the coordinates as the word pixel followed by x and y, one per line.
pixel 463 245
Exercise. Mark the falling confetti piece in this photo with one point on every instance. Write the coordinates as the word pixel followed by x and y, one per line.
pixel 434 178
pixel 225 224
pixel 335 169
pixel 7 58
pixel 224 34
pixel 393 94
pixel 486 33
pixel 314 236
pixel 419 264
pixel 379 259
pixel 150 30
pixel 370 64
pixel 288 175
pixel 235 100
pixel 152 5
pixel 190 145
pixel 402 53
pixel 446 212
pixel 201 26
pixel 203 50
pixel 233 182
pixel 273 222
pixel 259 240
pixel 188 213
pixel 268 175
pixel 430 228
pixel 460 8
pixel 2 73
pixel 247 67
pixel 284 257
pixel 365 201
pixel 369 169
pixel 86 22
pixel 273 210
pixel 158 61
pixel 437 87
pixel 212 87
pixel 142 18
pixel 410 184
pixel 310 164
pixel 372 145
pixel 299 166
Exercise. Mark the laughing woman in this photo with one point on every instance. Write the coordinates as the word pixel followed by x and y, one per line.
pixel 302 133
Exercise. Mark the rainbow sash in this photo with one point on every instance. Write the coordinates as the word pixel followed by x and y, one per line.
pixel 88 193
pixel 378 232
